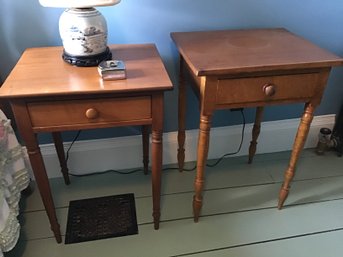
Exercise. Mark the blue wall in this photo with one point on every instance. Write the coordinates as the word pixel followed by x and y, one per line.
pixel 24 23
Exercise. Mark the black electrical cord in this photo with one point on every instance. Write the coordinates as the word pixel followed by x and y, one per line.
pixel 106 171
pixel 169 168
pixel 75 138
pixel 239 147
pixel 225 155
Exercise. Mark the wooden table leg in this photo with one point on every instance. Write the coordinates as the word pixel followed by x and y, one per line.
pixel 44 188
pixel 255 133
pixel 37 163
pixel 181 136
pixel 298 145
pixel 61 157
pixel 203 145
pixel 156 149
pixel 145 139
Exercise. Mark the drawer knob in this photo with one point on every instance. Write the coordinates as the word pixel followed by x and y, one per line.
pixel 269 89
pixel 92 113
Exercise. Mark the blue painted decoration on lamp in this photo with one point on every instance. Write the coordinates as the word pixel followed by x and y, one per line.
pixel 83 31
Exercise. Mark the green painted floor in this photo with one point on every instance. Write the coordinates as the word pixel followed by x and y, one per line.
pixel 239 215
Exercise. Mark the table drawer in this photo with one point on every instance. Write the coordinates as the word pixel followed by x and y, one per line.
pixel 89 111
pixel 271 88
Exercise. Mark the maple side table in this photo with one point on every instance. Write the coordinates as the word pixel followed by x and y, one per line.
pixel 49 95
pixel 249 68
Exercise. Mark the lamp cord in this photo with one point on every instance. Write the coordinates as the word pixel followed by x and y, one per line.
pixel 74 140
pixel 167 168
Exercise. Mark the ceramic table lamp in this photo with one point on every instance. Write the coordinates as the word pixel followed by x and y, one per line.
pixel 83 30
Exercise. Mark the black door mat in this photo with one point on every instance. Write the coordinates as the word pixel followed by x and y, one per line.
pixel 100 218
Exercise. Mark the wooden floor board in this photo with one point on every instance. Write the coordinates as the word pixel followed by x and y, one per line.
pixel 327 243
pixel 178 206
pixel 239 215
pixel 310 166
pixel 211 233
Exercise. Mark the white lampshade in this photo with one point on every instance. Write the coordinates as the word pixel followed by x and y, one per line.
pixel 77 3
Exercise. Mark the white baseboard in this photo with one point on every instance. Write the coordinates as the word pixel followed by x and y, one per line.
pixel 126 152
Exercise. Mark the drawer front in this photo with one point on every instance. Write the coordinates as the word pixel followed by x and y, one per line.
pixel 264 89
pixel 87 112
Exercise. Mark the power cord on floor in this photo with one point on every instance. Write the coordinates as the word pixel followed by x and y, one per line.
pixel 167 168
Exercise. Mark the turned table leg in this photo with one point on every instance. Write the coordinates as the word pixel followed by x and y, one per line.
pixel 61 157
pixel 203 146
pixel 156 149
pixel 145 139
pixel 44 188
pixel 181 136
pixel 255 133
pixel 298 145
pixel 37 163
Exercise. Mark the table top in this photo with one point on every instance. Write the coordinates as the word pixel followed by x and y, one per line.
pixel 254 50
pixel 42 72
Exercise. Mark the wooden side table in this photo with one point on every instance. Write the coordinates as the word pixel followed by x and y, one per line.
pixel 249 68
pixel 49 95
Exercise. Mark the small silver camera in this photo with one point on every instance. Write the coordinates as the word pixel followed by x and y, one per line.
pixel 112 70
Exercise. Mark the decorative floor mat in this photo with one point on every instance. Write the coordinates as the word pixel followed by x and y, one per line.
pixel 102 217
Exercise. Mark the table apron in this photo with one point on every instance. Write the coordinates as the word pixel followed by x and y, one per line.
pixel 282 89
pixel 89 113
